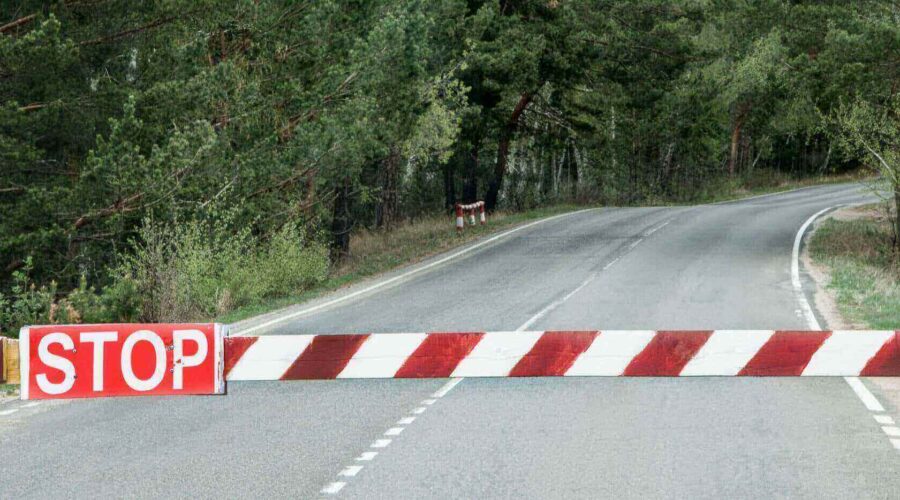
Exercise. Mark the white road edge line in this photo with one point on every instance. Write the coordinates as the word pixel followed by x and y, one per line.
pixel 407 274
pixel 8 412
pixel 862 392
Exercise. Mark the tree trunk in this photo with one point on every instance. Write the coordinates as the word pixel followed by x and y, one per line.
pixel 341 222
pixel 388 209
pixel 896 221
pixel 493 192
pixel 739 119
pixel 449 183
pixel 470 186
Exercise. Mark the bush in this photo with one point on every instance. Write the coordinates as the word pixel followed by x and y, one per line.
pixel 29 304
pixel 204 268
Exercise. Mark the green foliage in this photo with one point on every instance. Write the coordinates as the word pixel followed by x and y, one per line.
pixel 202 268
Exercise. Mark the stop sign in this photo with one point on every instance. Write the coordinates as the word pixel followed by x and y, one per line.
pixel 78 361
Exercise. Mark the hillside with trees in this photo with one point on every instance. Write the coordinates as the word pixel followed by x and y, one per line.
pixel 175 159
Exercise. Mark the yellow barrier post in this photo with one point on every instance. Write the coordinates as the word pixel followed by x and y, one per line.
pixel 9 366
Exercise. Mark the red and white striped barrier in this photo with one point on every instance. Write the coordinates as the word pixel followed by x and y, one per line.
pixel 461 210
pixel 569 353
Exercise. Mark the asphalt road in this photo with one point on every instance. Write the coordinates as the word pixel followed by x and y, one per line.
pixel 723 266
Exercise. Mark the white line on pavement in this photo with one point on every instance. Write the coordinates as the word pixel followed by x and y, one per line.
pixel 333 488
pixel 393 431
pixel 446 388
pixel 407 274
pixel 8 412
pixel 406 420
pixel 884 419
pixel 864 394
pixel 380 443
pixel 351 470
pixel 367 456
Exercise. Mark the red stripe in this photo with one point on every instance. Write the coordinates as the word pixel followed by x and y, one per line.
pixel 886 362
pixel 235 347
pixel 553 354
pixel 438 355
pixel 325 357
pixel 667 354
pixel 785 353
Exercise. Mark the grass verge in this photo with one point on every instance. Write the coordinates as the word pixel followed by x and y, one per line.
pixel 376 252
pixel 8 389
pixel 855 246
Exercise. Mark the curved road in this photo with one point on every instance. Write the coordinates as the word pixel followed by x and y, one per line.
pixel 724 266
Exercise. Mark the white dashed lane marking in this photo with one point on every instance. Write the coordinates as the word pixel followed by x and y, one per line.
pixel 350 471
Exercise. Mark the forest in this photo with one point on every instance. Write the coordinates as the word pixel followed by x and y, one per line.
pixel 174 159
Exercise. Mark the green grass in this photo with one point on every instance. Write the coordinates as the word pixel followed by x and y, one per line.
pixel 864 276
pixel 376 252
pixel 8 389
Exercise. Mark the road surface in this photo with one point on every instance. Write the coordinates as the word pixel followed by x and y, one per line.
pixel 724 266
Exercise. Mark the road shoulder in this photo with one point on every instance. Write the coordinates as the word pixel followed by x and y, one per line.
pixel 826 301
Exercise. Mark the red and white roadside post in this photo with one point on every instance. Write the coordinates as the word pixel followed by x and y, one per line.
pixel 84 361
pixel 468 211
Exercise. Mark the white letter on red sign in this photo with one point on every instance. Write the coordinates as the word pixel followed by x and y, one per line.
pixel 181 361
pixel 98 339
pixel 53 361
pixel 159 351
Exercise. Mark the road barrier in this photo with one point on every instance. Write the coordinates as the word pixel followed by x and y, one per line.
pixel 9 361
pixel 564 353
pixel 78 361
pixel 462 210
pixel 152 359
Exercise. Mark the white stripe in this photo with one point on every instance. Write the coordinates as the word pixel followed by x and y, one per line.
pixel 496 354
pixel 350 470
pixel 896 443
pixel 394 431
pixel 420 410
pixel 269 357
pixel 333 488
pixel 381 355
pixel 846 353
pixel 367 456
pixel 610 353
pixel 8 412
pixel 795 272
pixel 446 388
pixel 382 284
pixel 884 419
pixel 726 352
pixel 406 420
pixel 864 394
pixel 380 443
pixel 891 430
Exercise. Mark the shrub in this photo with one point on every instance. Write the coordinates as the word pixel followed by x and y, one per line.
pixel 204 268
